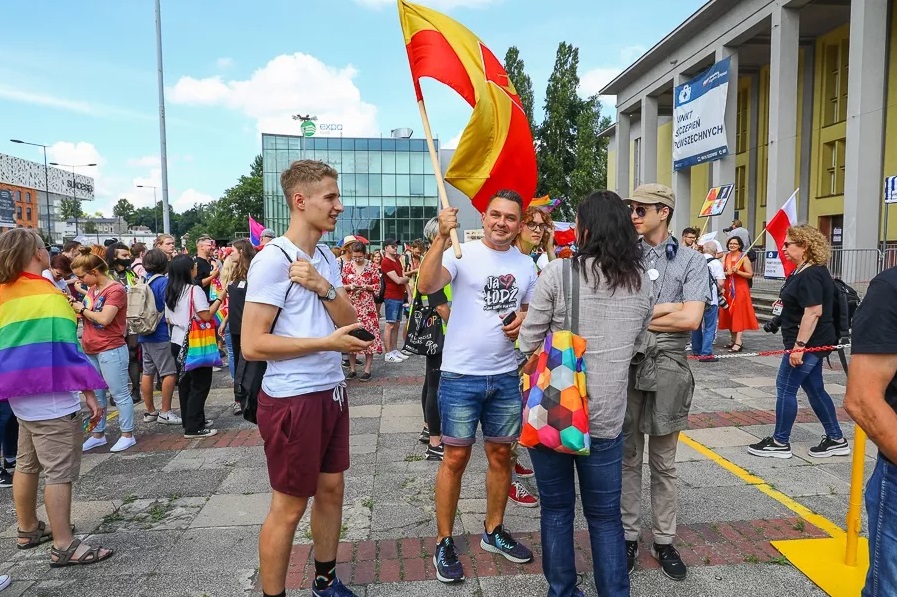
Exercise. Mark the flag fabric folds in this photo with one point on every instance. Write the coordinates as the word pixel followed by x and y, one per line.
pixel 778 227
pixel 39 348
pixel 564 234
pixel 496 148
pixel 546 203
pixel 255 232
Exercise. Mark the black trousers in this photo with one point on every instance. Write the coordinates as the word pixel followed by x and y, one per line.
pixel 193 391
pixel 429 393
pixel 239 369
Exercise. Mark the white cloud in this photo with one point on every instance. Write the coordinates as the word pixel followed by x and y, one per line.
pixel 630 54
pixel 189 198
pixel 288 84
pixel 453 142
pixel 434 4
pixel 594 80
pixel 42 99
pixel 224 63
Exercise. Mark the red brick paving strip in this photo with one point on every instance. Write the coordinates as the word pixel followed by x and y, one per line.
pixel 410 559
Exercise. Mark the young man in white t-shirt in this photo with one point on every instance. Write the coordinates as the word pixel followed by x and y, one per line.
pixel 491 284
pixel 298 319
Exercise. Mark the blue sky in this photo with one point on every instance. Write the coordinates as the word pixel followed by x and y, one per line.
pixel 81 76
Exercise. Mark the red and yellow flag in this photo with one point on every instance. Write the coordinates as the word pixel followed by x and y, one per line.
pixel 496 149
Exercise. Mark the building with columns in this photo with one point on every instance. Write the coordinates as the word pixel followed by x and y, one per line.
pixel 812 103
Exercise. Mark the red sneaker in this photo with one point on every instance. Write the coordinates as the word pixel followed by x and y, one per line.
pixel 521 496
pixel 522 471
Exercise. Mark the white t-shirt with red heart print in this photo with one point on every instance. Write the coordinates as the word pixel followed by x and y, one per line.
pixel 487 285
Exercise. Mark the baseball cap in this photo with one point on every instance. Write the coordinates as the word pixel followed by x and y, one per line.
pixel 654 193
pixel 390 242
pixel 267 233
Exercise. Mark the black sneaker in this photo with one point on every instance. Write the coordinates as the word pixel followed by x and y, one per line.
pixel 830 447
pixel 768 448
pixel 5 478
pixel 201 434
pixel 424 436
pixel 435 453
pixel 670 562
pixel 631 555
pixel 501 542
pixel 448 567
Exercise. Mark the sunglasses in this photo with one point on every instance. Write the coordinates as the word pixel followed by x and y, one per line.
pixel 788 243
pixel 641 210
pixel 537 227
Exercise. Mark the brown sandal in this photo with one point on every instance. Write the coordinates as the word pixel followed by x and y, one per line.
pixel 36 537
pixel 64 556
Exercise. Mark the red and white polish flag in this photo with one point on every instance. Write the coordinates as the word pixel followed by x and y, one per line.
pixel 778 229
pixel 564 234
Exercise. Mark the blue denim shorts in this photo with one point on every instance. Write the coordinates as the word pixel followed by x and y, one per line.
pixel 393 310
pixel 491 400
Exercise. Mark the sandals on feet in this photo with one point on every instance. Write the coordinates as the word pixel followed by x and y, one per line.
pixel 36 537
pixel 64 557
pixel 733 349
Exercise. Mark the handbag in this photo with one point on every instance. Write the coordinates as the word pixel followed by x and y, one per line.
pixel 555 398
pixel 425 335
pixel 200 348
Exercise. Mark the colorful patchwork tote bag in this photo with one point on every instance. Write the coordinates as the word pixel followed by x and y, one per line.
pixel 555 399
pixel 201 346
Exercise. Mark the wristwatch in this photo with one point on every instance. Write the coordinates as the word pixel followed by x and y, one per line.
pixel 81 312
pixel 331 294
pixel 800 344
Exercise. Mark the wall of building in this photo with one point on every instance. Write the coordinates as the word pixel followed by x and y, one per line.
pixel 25 199
pixel 890 157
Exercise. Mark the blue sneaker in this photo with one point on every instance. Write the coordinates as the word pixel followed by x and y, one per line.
pixel 336 589
pixel 501 542
pixel 448 567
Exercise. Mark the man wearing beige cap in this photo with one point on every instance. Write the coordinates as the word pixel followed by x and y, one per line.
pixel 660 381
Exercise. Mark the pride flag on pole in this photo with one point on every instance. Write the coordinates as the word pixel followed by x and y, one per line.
pixel 255 232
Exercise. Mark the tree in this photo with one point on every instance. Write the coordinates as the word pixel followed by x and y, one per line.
pixel 590 169
pixel 230 214
pixel 124 209
pixel 89 227
pixel 514 66
pixel 70 207
pixel 557 135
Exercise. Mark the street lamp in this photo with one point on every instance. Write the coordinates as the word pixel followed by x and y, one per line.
pixel 74 188
pixel 46 181
pixel 149 186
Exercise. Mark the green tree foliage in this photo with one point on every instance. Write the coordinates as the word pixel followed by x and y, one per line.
pixel 225 217
pixel 590 168
pixel 71 208
pixel 89 227
pixel 124 209
pixel 514 66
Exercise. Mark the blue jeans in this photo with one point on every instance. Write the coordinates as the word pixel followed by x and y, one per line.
pixel 228 343
pixel 809 377
pixel 600 482
pixel 9 431
pixel 881 505
pixel 703 337
pixel 113 366
pixel 465 401
pixel 393 310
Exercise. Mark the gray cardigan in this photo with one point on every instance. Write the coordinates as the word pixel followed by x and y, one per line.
pixel 609 322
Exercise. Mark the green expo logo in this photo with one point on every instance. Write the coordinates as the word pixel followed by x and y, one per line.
pixel 308 128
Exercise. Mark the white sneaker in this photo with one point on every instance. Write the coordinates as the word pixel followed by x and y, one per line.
pixel 392 358
pixel 169 418
pixel 150 417
pixel 123 444
pixel 5 581
pixel 93 442
pixel 402 355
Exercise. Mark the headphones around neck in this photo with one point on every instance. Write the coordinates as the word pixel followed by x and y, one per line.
pixel 672 248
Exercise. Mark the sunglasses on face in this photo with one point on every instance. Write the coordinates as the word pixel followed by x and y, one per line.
pixel 788 243
pixel 537 227
pixel 641 210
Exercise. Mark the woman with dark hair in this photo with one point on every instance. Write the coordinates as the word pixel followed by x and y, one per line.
pixel 59 272
pixel 185 301
pixel 739 316
pixel 361 280
pixel 157 359
pixel 118 257
pixel 615 305
pixel 242 256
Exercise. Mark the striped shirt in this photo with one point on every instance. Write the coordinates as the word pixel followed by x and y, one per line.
pixel 680 279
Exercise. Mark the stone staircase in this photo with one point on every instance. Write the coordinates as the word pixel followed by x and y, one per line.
pixel 764 294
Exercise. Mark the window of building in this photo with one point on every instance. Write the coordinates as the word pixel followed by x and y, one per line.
pixel 18 212
pixel 636 162
pixel 763 139
pixel 27 197
pixel 743 119
pixel 741 187
pixel 832 171
pixel 18 195
pixel 28 213
pixel 835 71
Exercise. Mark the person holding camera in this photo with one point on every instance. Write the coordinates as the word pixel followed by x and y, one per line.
pixel 805 312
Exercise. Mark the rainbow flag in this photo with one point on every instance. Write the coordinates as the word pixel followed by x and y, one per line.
pixel 39 348
pixel 546 203
pixel 215 290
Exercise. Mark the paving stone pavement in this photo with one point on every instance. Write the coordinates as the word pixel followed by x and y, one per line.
pixel 184 515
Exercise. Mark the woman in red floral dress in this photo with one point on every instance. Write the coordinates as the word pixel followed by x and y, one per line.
pixel 362 281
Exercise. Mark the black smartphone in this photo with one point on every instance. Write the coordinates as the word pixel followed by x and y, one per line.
pixel 509 318
pixel 362 334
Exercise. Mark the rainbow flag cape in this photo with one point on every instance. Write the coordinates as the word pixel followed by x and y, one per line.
pixel 39 348
pixel 215 290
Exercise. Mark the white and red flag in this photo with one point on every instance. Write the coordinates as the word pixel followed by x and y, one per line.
pixel 778 227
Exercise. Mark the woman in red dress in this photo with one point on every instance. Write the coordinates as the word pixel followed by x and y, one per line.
pixel 740 315
pixel 362 281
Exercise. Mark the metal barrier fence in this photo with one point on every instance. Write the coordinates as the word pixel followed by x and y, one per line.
pixel 857 267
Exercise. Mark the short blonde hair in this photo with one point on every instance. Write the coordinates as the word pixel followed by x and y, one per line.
pixel 16 250
pixel 302 173
pixel 817 247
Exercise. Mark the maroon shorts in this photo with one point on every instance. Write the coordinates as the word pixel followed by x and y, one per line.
pixel 304 436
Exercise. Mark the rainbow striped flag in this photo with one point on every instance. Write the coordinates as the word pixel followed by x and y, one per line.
pixel 39 348
pixel 546 203
pixel 215 290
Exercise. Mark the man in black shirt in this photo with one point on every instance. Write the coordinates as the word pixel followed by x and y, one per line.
pixel 206 271
pixel 871 401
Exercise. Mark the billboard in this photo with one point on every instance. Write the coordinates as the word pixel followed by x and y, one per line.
pixel 7 209
pixel 699 118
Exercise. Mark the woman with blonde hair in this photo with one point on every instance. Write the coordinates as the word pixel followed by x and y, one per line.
pixel 806 307
pixel 166 244
pixel 104 313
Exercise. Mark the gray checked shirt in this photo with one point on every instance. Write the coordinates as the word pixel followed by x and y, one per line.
pixel 680 279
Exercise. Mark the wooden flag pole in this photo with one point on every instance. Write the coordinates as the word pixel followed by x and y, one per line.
pixel 745 252
pixel 440 183
pixel 704 227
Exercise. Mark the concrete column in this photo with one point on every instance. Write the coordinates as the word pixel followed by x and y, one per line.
pixel 682 186
pixel 806 132
pixel 782 111
pixel 750 217
pixel 648 146
pixel 865 123
pixel 622 140
pixel 723 171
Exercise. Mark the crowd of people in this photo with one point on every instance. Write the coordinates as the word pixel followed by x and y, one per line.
pixel 119 322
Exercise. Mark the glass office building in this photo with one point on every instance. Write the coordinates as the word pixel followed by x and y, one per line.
pixel 388 187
